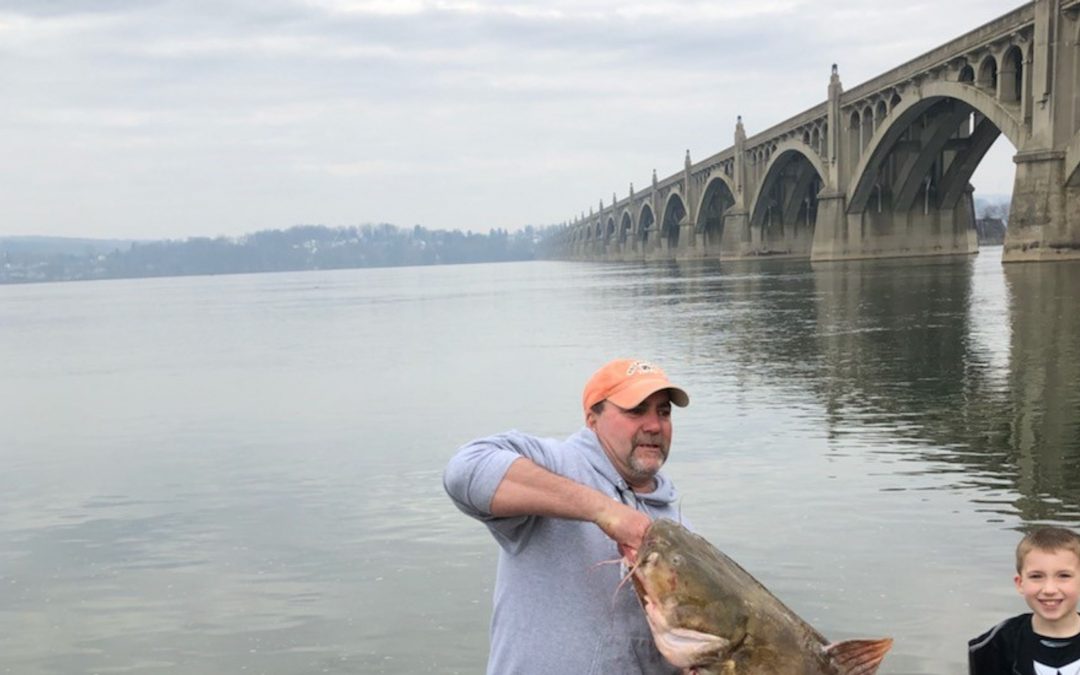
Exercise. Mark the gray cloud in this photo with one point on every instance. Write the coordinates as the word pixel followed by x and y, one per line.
pixel 176 118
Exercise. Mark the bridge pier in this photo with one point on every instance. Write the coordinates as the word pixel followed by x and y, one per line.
pixel 830 231
pixel 924 231
pixel 689 247
pixel 735 242
pixel 1044 218
pixel 662 249
pixel 699 245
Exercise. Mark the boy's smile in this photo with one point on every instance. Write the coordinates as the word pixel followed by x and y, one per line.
pixel 1050 584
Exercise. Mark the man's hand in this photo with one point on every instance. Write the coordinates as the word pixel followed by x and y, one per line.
pixel 625 526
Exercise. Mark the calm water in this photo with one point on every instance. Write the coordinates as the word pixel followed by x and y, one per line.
pixel 242 474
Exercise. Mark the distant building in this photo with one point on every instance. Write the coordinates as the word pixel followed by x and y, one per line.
pixel 991 231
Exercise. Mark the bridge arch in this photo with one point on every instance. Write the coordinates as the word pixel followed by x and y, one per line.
pixel 646 223
pixel 786 152
pixel 783 212
pixel 1012 75
pixel 1072 161
pixel 626 226
pixel 988 73
pixel 718 197
pixel 867 125
pixel 674 213
pixel 864 176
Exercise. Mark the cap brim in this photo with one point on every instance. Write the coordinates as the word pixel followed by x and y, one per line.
pixel 631 396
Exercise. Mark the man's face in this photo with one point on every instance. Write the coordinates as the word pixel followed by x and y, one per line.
pixel 636 440
pixel 1050 584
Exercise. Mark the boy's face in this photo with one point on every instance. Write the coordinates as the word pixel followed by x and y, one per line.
pixel 1050 583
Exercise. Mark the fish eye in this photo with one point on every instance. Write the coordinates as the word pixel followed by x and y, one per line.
pixel 676 560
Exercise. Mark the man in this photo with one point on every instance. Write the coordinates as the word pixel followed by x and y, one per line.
pixel 557 509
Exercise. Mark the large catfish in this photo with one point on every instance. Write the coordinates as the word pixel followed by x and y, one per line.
pixel 710 617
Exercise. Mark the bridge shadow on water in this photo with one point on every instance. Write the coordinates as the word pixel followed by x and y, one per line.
pixel 972 364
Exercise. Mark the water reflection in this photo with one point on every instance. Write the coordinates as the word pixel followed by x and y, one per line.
pixel 911 348
pixel 1042 455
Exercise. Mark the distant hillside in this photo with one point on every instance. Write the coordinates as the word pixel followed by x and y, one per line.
pixel 304 247
pixel 47 246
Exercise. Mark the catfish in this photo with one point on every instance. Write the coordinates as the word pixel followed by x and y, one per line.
pixel 709 616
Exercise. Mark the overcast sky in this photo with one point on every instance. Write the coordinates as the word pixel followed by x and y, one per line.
pixel 175 118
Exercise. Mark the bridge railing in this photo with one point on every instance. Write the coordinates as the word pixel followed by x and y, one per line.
pixel 989 32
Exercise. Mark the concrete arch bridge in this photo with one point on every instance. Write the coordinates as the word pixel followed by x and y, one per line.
pixel 883 169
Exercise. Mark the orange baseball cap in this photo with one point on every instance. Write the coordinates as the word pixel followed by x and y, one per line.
pixel 628 382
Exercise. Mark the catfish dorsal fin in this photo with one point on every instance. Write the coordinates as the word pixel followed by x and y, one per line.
pixel 858 657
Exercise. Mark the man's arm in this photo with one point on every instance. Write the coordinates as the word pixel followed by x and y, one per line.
pixel 499 481
pixel 527 489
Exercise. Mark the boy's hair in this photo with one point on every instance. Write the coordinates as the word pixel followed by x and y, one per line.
pixel 1049 539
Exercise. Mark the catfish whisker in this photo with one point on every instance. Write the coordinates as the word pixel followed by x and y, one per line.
pixel 615 561
pixel 629 576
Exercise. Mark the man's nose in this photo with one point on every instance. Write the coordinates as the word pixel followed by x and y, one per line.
pixel 651 421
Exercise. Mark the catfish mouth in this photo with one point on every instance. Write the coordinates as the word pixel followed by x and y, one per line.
pixel 655 581
pixel 641 568
pixel 643 575
pixel 637 574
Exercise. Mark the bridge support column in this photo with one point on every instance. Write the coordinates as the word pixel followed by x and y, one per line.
pixel 735 239
pixel 757 237
pixel 689 246
pixel 830 230
pixel 922 231
pixel 1044 218
pixel 652 249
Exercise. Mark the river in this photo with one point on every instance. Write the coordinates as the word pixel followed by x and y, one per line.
pixel 242 473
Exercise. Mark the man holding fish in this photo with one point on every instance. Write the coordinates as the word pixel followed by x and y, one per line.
pixel 556 509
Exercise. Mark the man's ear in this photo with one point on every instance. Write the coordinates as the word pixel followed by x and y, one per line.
pixel 1017 580
pixel 590 420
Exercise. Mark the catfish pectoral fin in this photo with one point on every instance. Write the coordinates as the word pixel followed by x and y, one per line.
pixel 858 657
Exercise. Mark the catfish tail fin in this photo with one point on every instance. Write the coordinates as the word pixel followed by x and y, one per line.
pixel 858 657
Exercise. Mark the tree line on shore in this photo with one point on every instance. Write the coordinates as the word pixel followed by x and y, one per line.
pixel 310 247
pixel 304 247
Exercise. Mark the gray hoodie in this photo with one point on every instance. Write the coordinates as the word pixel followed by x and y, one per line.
pixel 557 610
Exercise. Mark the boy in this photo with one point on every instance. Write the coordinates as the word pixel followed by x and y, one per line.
pixel 1045 641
